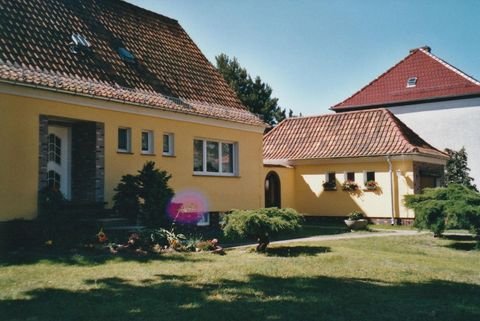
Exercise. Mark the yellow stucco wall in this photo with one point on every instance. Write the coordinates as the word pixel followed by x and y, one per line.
pixel 308 196
pixel 20 149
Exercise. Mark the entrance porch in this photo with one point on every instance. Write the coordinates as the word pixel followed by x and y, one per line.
pixel 71 159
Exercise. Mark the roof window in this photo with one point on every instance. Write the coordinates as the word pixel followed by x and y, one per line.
pixel 126 55
pixel 412 82
pixel 79 44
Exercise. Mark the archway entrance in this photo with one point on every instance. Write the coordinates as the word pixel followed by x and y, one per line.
pixel 272 190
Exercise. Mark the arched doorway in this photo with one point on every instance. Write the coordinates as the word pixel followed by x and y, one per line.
pixel 272 190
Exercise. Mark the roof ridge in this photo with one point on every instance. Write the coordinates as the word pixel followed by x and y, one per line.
pixel 451 67
pixel 398 129
pixel 375 80
pixel 332 114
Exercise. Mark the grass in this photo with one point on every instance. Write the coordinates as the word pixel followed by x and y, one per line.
pixel 387 278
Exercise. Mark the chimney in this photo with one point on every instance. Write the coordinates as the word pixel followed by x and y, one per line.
pixel 425 48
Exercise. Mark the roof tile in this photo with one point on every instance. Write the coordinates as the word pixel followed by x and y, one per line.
pixel 374 132
pixel 436 79
pixel 170 71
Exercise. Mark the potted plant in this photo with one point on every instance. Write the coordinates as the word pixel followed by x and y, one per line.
pixel 371 185
pixel 329 186
pixel 349 186
pixel 356 221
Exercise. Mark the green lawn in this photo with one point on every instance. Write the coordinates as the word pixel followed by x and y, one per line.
pixel 387 278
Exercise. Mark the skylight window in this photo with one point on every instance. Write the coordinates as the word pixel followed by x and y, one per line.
pixel 79 44
pixel 412 82
pixel 126 55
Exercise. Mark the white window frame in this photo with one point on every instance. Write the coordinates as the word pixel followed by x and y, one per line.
pixel 171 141
pixel 220 164
pixel 129 140
pixel 345 177
pixel 151 145
pixel 204 220
pixel 412 82
pixel 365 179
pixel 327 177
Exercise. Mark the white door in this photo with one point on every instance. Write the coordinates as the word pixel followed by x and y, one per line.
pixel 59 156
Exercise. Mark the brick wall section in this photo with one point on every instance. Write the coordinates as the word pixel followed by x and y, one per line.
pixel 42 152
pixel 84 162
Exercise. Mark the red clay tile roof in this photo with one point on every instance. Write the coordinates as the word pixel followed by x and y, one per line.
pixel 366 133
pixel 170 71
pixel 436 80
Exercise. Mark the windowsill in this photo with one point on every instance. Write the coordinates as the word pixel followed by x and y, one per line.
pixel 124 152
pixel 147 154
pixel 168 155
pixel 216 175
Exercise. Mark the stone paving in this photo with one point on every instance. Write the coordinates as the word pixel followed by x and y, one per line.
pixel 344 236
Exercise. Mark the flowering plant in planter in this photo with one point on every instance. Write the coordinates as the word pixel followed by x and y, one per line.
pixel 356 221
pixel 355 216
pixel 349 186
pixel 371 185
pixel 329 185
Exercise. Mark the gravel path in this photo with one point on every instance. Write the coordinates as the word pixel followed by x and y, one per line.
pixel 344 236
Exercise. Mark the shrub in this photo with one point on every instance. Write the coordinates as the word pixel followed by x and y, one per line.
pixel 261 224
pixel 437 209
pixel 126 200
pixel 144 197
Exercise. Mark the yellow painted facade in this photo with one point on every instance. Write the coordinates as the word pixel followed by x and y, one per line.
pixel 19 157
pixel 302 188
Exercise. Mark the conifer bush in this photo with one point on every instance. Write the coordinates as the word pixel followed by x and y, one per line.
pixel 261 224
pixel 145 196
pixel 452 207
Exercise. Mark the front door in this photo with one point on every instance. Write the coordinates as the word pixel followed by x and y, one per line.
pixel 272 190
pixel 59 156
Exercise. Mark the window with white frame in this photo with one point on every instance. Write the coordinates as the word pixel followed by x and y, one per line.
pixel 369 176
pixel 168 144
pixel 330 181
pixel 204 219
pixel 214 157
pixel 147 142
pixel 350 176
pixel 124 139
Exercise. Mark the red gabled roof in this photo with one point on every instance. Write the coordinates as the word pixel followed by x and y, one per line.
pixel 169 71
pixel 436 80
pixel 367 133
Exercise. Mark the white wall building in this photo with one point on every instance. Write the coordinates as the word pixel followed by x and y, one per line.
pixel 438 101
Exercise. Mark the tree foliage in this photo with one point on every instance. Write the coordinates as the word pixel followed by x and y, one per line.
pixel 261 224
pixel 252 92
pixel 457 171
pixel 145 196
pixel 437 209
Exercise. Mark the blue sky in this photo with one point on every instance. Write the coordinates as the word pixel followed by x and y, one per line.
pixel 316 53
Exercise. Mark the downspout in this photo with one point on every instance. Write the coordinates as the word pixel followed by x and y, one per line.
pixel 392 198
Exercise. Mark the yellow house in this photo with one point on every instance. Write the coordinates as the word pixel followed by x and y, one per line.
pixel 91 90
pixel 357 161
